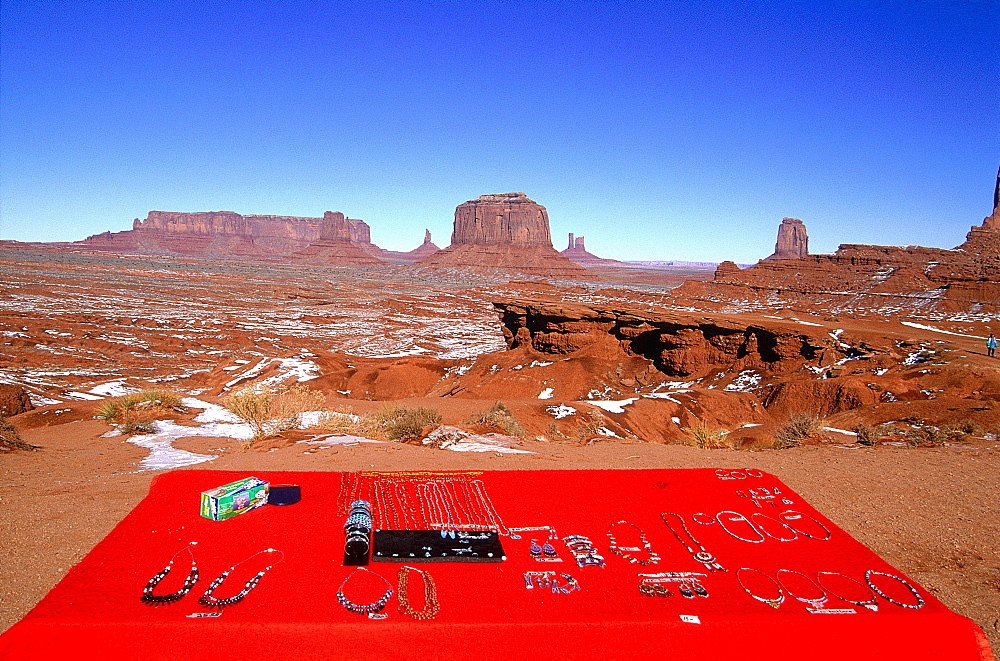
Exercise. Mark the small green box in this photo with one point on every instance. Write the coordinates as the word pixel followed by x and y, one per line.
pixel 235 498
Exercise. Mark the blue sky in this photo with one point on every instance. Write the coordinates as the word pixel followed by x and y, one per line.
pixel 659 130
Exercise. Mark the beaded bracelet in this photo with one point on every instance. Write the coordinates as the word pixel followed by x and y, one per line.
pixel 913 590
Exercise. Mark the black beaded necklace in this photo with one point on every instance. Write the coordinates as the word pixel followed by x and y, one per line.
pixel 162 599
pixel 209 601
pixel 369 609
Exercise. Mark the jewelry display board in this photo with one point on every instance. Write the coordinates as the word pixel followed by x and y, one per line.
pixel 698 563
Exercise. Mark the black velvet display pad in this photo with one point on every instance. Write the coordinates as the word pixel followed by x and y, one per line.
pixel 437 546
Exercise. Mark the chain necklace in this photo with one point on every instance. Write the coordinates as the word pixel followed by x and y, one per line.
pixel 209 601
pixel 431 605
pixel 627 551
pixel 795 535
pixel 871 604
pixel 913 590
pixel 794 515
pixel 371 608
pixel 815 603
pixel 773 603
pixel 736 516
pixel 496 523
pixel 161 599
pixel 701 554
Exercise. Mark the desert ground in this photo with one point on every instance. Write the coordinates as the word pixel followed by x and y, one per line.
pixel 79 329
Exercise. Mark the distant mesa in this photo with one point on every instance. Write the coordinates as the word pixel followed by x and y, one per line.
pixel 505 232
pixel 230 234
pixel 793 242
pixel 877 278
pixel 340 243
pixel 425 249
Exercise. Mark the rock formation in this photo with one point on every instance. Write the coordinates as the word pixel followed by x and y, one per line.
pixel 793 242
pixel 221 234
pixel 506 233
pixel 336 245
pixel 984 240
pixel 13 400
pixel 577 253
pixel 425 249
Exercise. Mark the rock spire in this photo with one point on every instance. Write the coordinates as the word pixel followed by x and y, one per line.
pixel 793 242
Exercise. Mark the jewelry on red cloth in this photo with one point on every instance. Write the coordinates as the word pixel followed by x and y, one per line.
pixel 431 605
pixel 795 535
pixel 161 599
pixel 795 515
pixel 913 590
pixel 871 604
pixel 773 603
pixel 627 551
pixel 209 601
pixel 707 519
pixel 371 608
pixel 815 603
pixel 738 517
pixel 701 555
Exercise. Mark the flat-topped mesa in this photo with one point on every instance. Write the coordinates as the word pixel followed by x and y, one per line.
pixel 502 219
pixel 793 242
pixel 506 234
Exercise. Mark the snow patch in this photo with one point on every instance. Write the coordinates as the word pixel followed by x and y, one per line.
pixel 547 393
pixel 612 406
pixel 561 411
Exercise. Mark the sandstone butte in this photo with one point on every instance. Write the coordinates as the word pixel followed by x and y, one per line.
pixel 577 253
pixel 505 232
pixel 793 242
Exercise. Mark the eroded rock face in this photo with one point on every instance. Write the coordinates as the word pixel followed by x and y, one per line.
pixel 502 219
pixel 793 242
pixel 14 400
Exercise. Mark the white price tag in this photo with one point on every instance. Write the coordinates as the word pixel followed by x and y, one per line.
pixel 691 619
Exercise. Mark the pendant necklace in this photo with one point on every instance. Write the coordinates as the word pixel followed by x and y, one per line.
pixel 773 603
pixel 701 554
pixel 431 605
pixel 627 551
pixel 209 601
pixel 161 599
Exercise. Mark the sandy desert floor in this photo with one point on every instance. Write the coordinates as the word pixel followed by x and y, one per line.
pixel 73 329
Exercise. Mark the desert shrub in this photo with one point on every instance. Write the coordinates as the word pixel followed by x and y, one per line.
pixel 338 423
pixel 399 423
pixel 268 412
pixel 925 437
pixel 163 399
pixel 799 427
pixel 10 437
pixel 590 425
pixel 501 417
pixel 116 408
pixel 868 434
pixel 964 426
pixel 704 436
pixel 136 426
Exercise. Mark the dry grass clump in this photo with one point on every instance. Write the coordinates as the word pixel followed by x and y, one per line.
pixel 269 411
pixel 338 423
pixel 870 434
pixel 704 436
pixel 500 417
pixel 924 437
pixel 793 432
pixel 10 437
pixel 399 423
pixel 133 413
pixel 117 409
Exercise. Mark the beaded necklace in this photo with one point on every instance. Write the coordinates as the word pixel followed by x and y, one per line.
pixel 794 515
pixel 161 599
pixel 431 605
pixel 209 601
pixel 627 551
pixel 736 516
pixel 913 590
pixel 701 554
pixel 369 609
pixel 815 603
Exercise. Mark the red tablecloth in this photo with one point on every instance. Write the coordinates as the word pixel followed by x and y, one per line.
pixel 486 612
